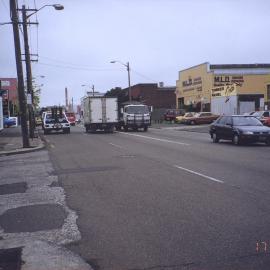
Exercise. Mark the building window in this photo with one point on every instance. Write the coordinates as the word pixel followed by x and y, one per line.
pixel 268 92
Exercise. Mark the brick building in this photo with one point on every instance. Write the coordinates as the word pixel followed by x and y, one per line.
pixel 152 94
pixel 10 96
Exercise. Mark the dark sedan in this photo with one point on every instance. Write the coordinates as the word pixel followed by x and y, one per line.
pixel 239 129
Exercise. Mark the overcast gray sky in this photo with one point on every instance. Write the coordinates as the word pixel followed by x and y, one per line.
pixel 158 38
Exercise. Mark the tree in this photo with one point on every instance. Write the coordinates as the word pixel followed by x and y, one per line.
pixel 118 92
pixel 36 95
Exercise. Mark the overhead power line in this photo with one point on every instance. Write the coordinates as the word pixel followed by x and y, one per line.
pixel 76 68
pixel 68 65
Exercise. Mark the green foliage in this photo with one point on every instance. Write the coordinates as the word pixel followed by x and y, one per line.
pixel 118 92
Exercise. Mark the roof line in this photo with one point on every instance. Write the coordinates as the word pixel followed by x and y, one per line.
pixel 194 66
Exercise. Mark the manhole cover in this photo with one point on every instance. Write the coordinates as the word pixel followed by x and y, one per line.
pixel 10 259
pixel 33 218
pixel 13 188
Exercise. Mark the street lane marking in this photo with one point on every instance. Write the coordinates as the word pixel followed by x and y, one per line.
pixel 153 138
pixel 115 145
pixel 199 174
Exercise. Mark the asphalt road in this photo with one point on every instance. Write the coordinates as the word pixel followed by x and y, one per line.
pixel 165 199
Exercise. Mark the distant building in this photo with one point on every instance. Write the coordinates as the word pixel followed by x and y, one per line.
pixel 195 84
pixel 10 96
pixel 152 94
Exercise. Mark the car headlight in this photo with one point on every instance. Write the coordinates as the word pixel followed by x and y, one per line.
pixel 248 132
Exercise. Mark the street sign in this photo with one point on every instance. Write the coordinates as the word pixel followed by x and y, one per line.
pixel 29 99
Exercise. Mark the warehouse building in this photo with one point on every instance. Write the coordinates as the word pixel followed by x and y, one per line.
pixel 197 85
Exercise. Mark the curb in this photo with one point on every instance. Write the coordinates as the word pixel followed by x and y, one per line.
pixel 23 150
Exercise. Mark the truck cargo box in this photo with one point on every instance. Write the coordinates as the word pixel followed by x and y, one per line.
pixel 100 113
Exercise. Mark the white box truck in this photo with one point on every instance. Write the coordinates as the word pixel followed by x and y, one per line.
pixel 100 113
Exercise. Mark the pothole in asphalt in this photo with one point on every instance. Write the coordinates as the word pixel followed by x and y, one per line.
pixel 10 259
pixel 33 218
pixel 53 184
pixel 20 187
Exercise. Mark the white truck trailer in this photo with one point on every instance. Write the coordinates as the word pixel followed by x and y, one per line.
pixel 100 113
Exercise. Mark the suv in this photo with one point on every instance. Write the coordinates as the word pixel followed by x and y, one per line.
pixel 55 122
pixel 171 114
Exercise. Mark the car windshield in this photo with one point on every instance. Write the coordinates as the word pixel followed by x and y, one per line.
pixel 246 121
pixel 257 114
pixel 137 109
pixel 60 119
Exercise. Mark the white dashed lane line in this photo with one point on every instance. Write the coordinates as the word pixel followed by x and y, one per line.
pixel 155 139
pixel 115 145
pixel 200 174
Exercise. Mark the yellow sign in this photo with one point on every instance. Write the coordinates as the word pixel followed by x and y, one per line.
pixel 224 91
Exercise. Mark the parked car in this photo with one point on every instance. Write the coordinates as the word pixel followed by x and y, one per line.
pixel 171 114
pixel 238 129
pixel 267 122
pixel 8 122
pixel 262 116
pixel 182 118
pixel 201 118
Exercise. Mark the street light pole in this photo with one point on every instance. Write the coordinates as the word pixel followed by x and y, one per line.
pixel 28 74
pixel 30 92
pixel 128 70
pixel 21 94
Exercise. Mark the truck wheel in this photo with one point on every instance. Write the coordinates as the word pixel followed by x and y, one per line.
pixel 145 129
pixel 192 122
pixel 236 139
pixel 215 138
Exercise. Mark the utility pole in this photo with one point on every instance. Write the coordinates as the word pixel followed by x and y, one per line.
pixel 129 87
pixel 21 94
pixel 28 75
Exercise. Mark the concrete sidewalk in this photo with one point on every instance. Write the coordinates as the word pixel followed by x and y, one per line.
pixel 35 222
pixel 11 142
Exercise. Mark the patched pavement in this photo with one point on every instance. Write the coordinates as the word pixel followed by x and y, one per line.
pixel 35 221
